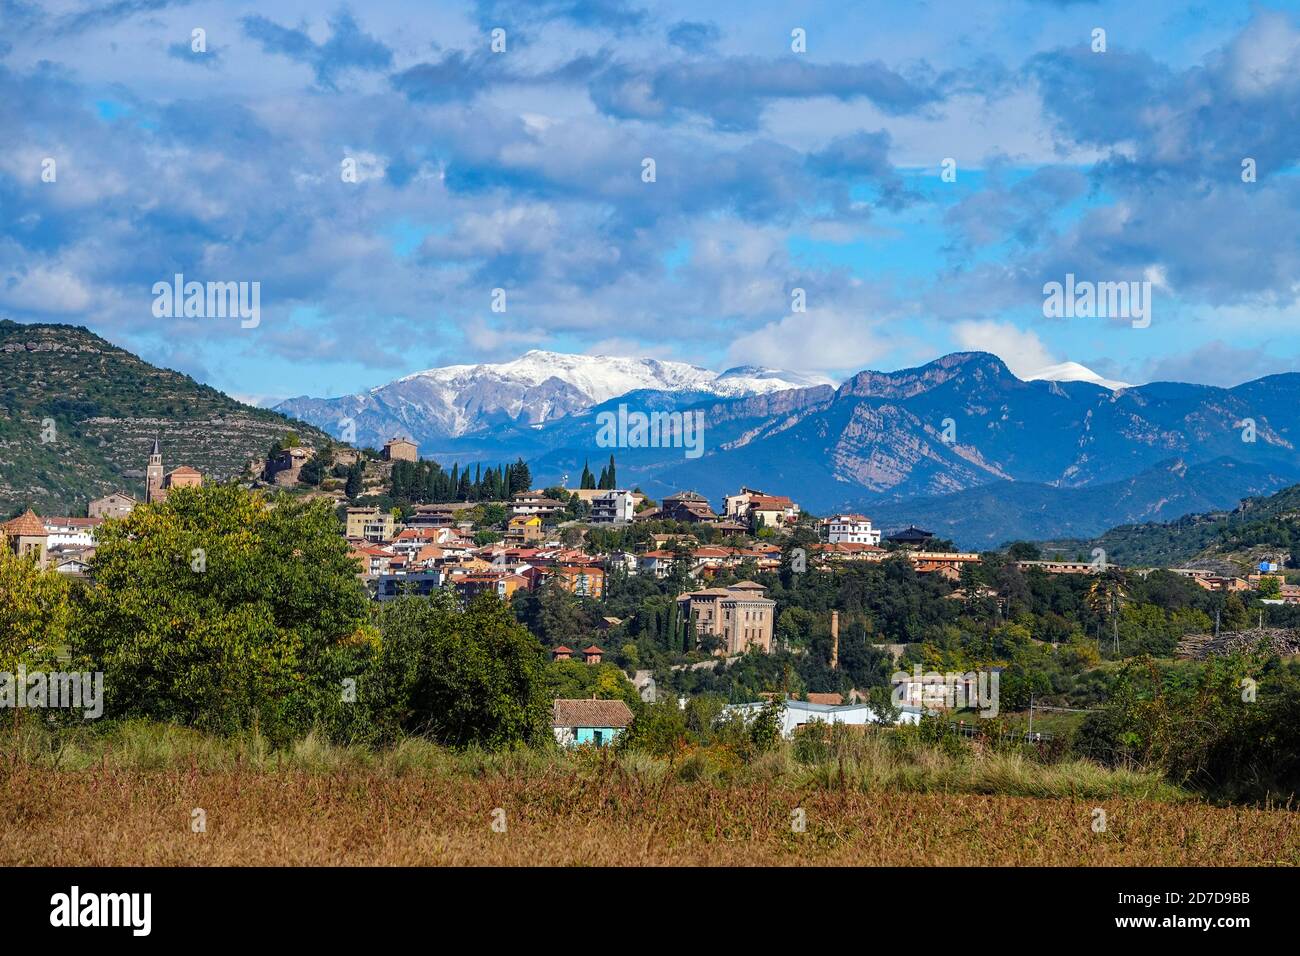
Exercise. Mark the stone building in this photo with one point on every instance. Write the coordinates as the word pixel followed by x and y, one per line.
pixel 117 505
pixel 158 483
pixel 401 449
pixel 740 615
pixel 26 535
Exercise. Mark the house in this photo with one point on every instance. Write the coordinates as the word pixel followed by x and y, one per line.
pixel 656 563
pixel 534 503
pixel 740 615
pixel 849 529
pixel 581 580
pixel 117 505
pixel 561 653
pixel 772 511
pixel 598 722
pixel 524 530
pixel 502 584
pixel 284 467
pixel 371 524
pixel 910 537
pixel 944 564
pixel 687 506
pixel 431 516
pixel 612 507
pixel 72 566
pixel 407 584
pixel 799 713
pixel 757 509
pixel 64 532
pixel 1061 567
pixel 849 551
pixel 373 560
pixel 592 654
pixel 401 449
pixel 25 535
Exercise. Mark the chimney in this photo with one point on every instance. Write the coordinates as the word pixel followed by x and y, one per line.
pixel 835 640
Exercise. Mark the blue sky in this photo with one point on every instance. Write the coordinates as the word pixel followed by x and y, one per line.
pixel 775 170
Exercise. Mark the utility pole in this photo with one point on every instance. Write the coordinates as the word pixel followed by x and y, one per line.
pixel 1031 713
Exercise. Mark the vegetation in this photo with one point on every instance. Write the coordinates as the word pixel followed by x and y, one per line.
pixel 77 414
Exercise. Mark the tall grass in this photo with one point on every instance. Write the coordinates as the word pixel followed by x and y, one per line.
pixel 872 762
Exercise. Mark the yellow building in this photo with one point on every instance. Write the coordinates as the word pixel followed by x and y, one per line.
pixel 371 524
pixel 524 529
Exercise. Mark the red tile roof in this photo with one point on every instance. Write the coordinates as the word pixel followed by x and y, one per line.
pixel 590 713
pixel 25 525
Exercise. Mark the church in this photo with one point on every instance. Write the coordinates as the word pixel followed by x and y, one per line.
pixel 158 484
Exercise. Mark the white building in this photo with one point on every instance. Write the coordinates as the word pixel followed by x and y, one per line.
pixel 849 529
pixel 613 507
pixel 800 712
pixel 64 532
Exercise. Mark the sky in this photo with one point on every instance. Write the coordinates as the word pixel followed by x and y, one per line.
pixel 381 168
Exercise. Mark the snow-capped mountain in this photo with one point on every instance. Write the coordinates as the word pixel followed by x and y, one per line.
pixel 1074 372
pixel 538 387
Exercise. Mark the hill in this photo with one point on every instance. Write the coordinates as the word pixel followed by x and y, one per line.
pixel 992 515
pixel 78 416
pixel 1259 527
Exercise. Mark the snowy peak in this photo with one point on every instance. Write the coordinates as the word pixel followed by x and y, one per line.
pixel 1074 372
pixel 602 377
pixel 536 388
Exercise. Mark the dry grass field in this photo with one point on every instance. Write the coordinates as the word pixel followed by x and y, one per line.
pixel 116 817
pixel 129 797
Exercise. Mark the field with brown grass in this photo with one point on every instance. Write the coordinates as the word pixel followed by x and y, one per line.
pixel 129 796
pixel 112 817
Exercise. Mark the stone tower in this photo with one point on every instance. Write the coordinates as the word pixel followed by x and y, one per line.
pixel 153 481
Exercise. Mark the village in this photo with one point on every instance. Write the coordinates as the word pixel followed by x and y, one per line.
pixel 550 538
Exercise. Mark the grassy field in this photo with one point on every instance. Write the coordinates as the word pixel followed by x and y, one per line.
pixel 129 798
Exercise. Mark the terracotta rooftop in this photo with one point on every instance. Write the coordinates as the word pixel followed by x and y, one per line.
pixel 590 713
pixel 25 525
pixel 832 699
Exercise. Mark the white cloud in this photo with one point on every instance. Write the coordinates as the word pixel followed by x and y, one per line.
pixel 1022 349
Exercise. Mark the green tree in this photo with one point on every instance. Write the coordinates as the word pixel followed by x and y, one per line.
pixel 354 484
pixel 471 677
pixel 34 611
pixel 219 609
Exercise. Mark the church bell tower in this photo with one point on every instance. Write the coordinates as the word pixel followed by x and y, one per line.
pixel 153 481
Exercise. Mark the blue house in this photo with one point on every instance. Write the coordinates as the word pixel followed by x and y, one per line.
pixel 589 721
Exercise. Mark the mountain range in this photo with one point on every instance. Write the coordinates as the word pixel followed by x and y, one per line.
pixel 959 443
pixel 436 407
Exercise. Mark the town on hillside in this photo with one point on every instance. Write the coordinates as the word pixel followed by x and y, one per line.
pixel 664 592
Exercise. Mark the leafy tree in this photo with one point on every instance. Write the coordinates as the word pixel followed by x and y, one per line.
pixel 34 611
pixel 356 474
pixel 471 677
pixel 219 609
pixel 659 729
pixel 765 731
